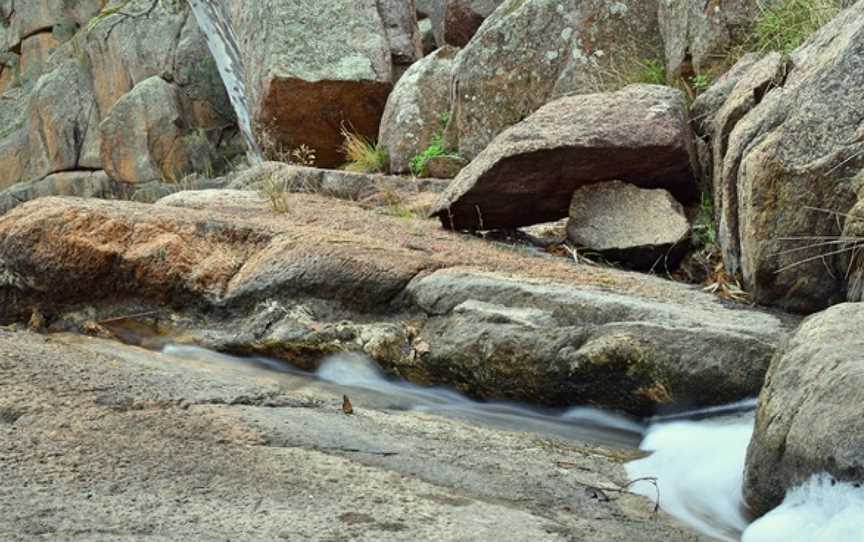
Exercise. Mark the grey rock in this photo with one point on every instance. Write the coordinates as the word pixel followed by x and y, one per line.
pixel 851 255
pixel 427 36
pixel 759 79
pixel 400 22
pixel 809 417
pixel 412 116
pixel 212 198
pixel 528 174
pixel 28 18
pixel 60 110
pixel 644 229
pixel 528 53
pixel 492 336
pixel 706 105
pixel 433 11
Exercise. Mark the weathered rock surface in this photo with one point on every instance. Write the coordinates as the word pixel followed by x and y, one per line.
pixel 123 435
pixel 851 251
pixel 462 18
pixel 698 36
pixel 28 18
pixel 760 78
pixel 414 111
pixel 639 135
pixel 400 22
pixel 142 136
pixel 427 36
pixel 643 228
pixel 493 335
pixel 433 11
pixel 529 53
pixel 792 154
pixel 84 184
pixel 810 419
pixel 313 68
pixel 339 278
pixel 705 107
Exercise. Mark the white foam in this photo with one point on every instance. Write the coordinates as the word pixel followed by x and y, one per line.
pixel 699 469
pixel 820 510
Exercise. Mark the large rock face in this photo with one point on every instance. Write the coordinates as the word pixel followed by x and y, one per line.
pixel 314 68
pixel 786 169
pixel 427 305
pixel 414 111
pixel 528 53
pixel 810 412
pixel 59 89
pixel 644 229
pixel 639 135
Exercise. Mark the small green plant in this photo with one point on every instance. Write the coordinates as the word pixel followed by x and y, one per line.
pixel 419 164
pixel 700 82
pixel 651 72
pixel 363 155
pixel 786 24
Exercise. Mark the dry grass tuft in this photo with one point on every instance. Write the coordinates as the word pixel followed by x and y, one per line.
pixel 363 156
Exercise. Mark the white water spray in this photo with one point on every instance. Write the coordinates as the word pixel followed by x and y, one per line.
pixel 699 468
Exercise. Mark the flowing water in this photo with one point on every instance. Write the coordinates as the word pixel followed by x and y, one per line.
pixel 222 43
pixel 696 457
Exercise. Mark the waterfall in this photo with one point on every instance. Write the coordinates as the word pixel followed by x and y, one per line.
pixel 223 46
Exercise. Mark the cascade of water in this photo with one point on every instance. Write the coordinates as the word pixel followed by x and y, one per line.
pixel 223 46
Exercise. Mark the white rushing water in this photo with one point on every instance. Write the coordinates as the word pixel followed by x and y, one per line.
pixel 222 43
pixel 699 468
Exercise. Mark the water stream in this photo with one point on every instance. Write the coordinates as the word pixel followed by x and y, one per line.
pixel 696 457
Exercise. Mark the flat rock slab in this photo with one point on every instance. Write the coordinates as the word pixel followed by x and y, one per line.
pixel 642 228
pixel 528 174
pixel 133 444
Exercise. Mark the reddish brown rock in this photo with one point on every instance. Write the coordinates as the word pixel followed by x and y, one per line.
pixel 528 174
pixel 462 18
